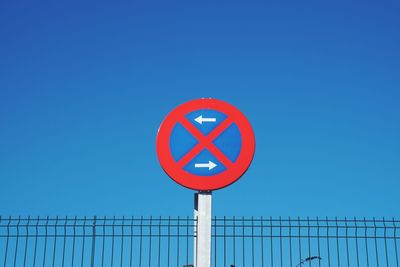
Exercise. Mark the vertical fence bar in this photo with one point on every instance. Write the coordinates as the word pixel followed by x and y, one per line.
pixel 385 237
pixel 169 239
pixel 131 243
pixel 262 242
pixel 104 241
pixel 55 242
pixel 150 237
pixel 224 241
pixel 93 251
pixel 376 244
pixel 26 238
pixel 337 242
pixel 243 248
pixel 356 237
pixel 318 242
pixel 73 243
pixel 366 240
pixel 347 242
pixel 140 241
pixel 395 242
pixel 16 242
pixel 290 242
pixel 83 242
pixel 45 242
pixel 308 240
pixel 187 240
pixel 122 241
pixel 272 242
pixel 327 241
pixel 112 241
pixel 280 241
pixel 299 237
pixel 234 241
pixel 215 241
pixel 64 240
pixel 159 242
pixel 252 242
pixel 7 240
pixel 177 246
pixel 36 239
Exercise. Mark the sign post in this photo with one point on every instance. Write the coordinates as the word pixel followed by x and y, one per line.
pixel 202 228
pixel 205 145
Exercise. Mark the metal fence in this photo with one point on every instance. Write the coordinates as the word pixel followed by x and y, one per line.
pixel 305 242
pixel 134 241
pixel 167 241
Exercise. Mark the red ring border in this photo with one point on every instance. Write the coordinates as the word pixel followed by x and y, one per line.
pixel 212 182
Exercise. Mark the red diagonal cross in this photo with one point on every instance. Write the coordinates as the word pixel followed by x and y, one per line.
pixel 205 141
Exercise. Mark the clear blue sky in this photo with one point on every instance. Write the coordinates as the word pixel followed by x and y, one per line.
pixel 85 86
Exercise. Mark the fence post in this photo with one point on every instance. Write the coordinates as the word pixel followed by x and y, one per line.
pixel 202 224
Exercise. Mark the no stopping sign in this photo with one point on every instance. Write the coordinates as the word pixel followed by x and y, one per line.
pixel 205 144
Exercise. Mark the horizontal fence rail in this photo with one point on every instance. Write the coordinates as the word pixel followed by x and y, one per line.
pixel 167 241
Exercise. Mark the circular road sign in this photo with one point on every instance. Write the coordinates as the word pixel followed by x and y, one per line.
pixel 205 144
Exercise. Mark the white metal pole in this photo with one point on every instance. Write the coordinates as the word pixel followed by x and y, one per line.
pixel 202 240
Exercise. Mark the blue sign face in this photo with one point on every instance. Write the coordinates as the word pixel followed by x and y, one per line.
pixel 205 162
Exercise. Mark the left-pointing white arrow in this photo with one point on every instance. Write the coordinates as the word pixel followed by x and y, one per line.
pixel 200 119
pixel 210 165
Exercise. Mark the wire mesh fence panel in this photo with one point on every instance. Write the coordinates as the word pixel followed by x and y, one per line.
pixel 305 242
pixel 133 241
pixel 168 242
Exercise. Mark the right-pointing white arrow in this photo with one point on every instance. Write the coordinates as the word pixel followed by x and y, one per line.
pixel 200 119
pixel 210 165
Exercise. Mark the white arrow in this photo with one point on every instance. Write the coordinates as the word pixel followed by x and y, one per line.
pixel 200 119
pixel 210 165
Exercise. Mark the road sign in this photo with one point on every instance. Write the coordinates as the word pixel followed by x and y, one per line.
pixel 205 144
